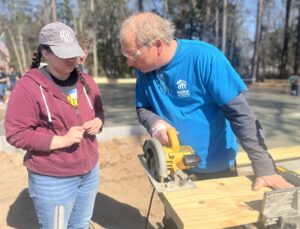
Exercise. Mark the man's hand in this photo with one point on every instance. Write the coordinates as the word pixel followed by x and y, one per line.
pixel 93 126
pixel 274 181
pixel 159 131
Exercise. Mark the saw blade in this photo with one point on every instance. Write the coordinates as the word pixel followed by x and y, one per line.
pixel 155 159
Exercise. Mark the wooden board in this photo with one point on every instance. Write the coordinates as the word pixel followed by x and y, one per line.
pixel 288 157
pixel 218 203
pixel 279 154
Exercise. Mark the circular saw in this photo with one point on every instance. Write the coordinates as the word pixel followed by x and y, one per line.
pixel 165 164
pixel 155 159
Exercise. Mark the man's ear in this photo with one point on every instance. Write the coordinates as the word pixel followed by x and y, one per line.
pixel 159 45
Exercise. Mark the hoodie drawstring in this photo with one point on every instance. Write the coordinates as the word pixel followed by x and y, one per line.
pixel 47 108
pixel 88 99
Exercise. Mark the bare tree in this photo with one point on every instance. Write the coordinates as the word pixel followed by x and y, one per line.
pixel 233 33
pixel 53 10
pixel 217 25
pixel 16 50
pixel 141 5
pixel 94 40
pixel 224 26
pixel 207 21
pixel 297 45
pixel 266 40
pixel 255 63
pixel 284 52
pixel 45 9
pixel 82 16
pixel 17 40
pixel 22 47
pixel 166 8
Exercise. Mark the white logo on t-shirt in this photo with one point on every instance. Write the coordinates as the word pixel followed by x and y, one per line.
pixel 181 84
pixel 182 90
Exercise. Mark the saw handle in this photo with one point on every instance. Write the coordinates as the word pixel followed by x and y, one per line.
pixel 173 137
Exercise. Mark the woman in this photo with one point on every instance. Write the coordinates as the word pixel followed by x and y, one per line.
pixel 54 113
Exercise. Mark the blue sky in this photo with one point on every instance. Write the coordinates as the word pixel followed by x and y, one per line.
pixel 250 12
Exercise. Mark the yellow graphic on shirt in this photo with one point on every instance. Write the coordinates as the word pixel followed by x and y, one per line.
pixel 72 97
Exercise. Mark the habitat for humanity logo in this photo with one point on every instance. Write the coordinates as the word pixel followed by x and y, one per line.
pixel 182 90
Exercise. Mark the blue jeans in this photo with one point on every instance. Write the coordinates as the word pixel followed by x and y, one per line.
pixel 64 202
pixel 2 90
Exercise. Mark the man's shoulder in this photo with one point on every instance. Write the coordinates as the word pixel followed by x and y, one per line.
pixel 198 43
pixel 200 47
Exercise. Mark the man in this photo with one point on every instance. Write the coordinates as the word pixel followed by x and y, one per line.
pixel 14 75
pixel 85 45
pixel 3 85
pixel 191 86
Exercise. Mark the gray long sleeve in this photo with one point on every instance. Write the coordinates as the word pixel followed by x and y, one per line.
pixel 146 117
pixel 248 130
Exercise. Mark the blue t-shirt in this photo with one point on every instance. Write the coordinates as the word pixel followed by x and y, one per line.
pixel 188 93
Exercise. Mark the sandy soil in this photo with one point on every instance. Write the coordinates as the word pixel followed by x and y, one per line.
pixel 122 201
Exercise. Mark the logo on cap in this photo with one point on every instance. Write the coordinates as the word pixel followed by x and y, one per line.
pixel 66 36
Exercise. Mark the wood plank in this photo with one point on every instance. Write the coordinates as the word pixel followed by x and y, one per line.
pixel 217 203
pixel 278 154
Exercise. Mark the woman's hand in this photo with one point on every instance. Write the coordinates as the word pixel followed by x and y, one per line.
pixel 74 135
pixel 93 126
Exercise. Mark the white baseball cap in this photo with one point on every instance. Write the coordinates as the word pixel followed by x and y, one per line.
pixel 61 40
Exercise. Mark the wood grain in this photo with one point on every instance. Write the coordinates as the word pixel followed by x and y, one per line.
pixel 220 203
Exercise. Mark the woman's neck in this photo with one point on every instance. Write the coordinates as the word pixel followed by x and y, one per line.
pixel 56 74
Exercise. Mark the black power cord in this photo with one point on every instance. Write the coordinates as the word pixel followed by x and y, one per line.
pixel 149 208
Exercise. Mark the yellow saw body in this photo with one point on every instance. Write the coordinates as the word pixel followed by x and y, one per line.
pixel 177 155
pixel 165 164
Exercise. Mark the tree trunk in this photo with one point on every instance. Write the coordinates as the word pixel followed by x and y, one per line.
pixel 266 44
pixel 217 26
pixel 255 63
pixel 80 16
pixel 297 46
pixel 28 52
pixel 21 43
pixel 13 42
pixel 284 53
pixel 75 25
pixel 207 21
pixel 46 12
pixel 141 5
pixel 224 26
pixel 94 41
pixel 166 8
pixel 53 10
pixel 233 34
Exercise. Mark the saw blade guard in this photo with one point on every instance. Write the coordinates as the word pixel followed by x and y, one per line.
pixel 156 159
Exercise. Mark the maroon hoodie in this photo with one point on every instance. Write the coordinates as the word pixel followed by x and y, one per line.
pixel 37 111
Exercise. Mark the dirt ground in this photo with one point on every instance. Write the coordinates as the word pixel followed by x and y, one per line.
pixel 122 201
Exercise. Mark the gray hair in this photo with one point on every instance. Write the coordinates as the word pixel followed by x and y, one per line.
pixel 146 27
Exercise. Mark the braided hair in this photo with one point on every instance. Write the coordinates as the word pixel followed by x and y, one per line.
pixel 37 55
pixel 78 74
pixel 36 60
